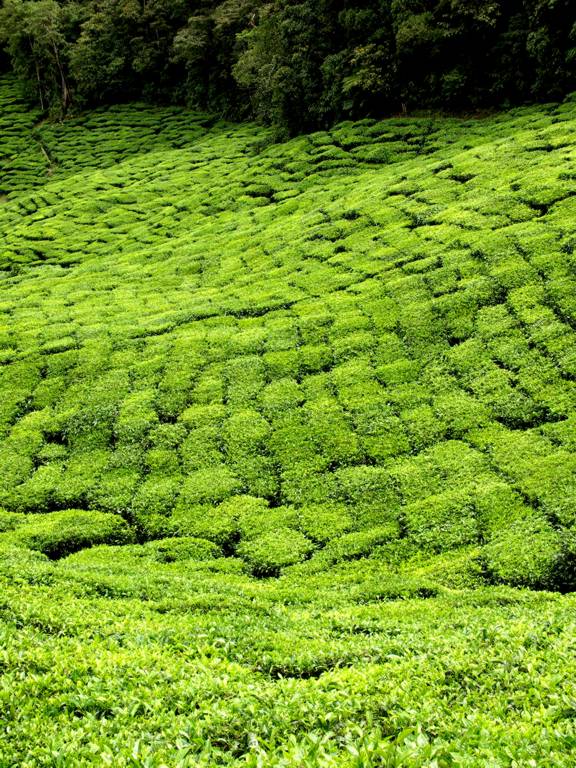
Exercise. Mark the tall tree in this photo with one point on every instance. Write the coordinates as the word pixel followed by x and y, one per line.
pixel 297 64
pixel 36 35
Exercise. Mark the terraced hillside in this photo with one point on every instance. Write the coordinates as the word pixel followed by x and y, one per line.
pixel 287 441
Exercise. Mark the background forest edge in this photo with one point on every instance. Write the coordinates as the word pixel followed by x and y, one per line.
pixel 296 65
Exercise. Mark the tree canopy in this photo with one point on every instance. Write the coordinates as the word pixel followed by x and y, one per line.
pixel 297 64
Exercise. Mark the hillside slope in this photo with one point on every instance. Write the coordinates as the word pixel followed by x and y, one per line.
pixel 287 440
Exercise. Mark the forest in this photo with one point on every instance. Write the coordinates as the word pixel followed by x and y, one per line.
pixel 296 65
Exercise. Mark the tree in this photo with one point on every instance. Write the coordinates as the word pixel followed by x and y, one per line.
pixel 35 34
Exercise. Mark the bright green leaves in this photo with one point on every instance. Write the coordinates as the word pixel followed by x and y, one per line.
pixel 366 330
pixel 268 553
pixel 60 533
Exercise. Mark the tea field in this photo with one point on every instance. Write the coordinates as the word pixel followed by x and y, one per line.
pixel 287 441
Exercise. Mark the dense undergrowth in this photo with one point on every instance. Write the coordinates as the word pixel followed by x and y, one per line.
pixel 287 441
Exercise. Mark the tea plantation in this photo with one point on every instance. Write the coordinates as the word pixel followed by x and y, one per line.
pixel 287 441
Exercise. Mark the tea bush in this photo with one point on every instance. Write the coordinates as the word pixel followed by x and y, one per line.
pixel 295 432
pixel 176 549
pixel 509 559
pixel 352 546
pixel 268 553
pixel 58 534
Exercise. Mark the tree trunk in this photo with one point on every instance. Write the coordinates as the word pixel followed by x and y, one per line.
pixel 65 98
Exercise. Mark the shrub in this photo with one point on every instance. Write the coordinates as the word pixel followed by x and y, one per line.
pixel 456 313
pixel 553 483
pixel 303 483
pixel 209 485
pixel 315 357
pixel 41 492
pixel 81 474
pixel 291 441
pixel 137 417
pixel 89 411
pixel 156 495
pixel 497 506
pixel 525 554
pixel 331 431
pixel 255 518
pixel 173 392
pixel 355 372
pixel 352 345
pixel 280 396
pixel 382 434
pixel 201 449
pixel 167 436
pixel 282 333
pixel 419 328
pixel 162 460
pixel 461 569
pixel 497 390
pixel 408 396
pixel 469 360
pixel 244 378
pixel 150 526
pixel 318 386
pixel 114 490
pixel 398 372
pixel 563 433
pixel 14 469
pixel 390 349
pixel 202 416
pixel 443 521
pixel 209 388
pixel 49 391
pixel 245 434
pixel 26 436
pixel 353 546
pixel 284 363
pixel 10 520
pixel 268 553
pixel 171 550
pixel 422 426
pixel 369 492
pixel 23 565
pixel 544 475
pixel 58 534
pixel 322 523
pixel 314 326
pixel 249 340
pixel 459 413
pixel 216 524
pixel 447 466
pixel 512 350
pixel 257 475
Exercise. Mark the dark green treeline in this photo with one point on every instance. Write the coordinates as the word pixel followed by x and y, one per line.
pixel 296 65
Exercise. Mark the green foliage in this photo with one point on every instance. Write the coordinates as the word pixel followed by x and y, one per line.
pixel 527 553
pixel 37 35
pixel 321 524
pixel 298 66
pixel 60 533
pixel 370 494
pixel 9 520
pixel 442 521
pixel 157 494
pixel 352 546
pixel 298 419
pixel 202 521
pixel 268 553
pixel 208 486
pixel 173 550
